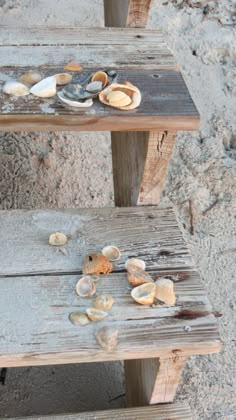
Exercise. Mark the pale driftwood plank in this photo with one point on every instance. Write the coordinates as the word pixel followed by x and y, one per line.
pixel 175 411
pixel 129 13
pixel 152 234
pixel 138 13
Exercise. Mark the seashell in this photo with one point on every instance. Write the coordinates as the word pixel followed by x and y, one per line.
pixel 30 78
pixel 46 88
pixel 111 252
pixel 107 338
pixel 144 294
pixel 57 239
pixel 63 78
pixel 137 276
pixel 79 318
pixel 118 98
pixel 165 291
pixel 103 302
pixel 85 287
pixel 100 76
pixel 96 314
pixel 72 91
pixel 96 263
pixel 135 261
pixel 94 87
pixel 73 66
pixel 128 89
pixel 73 103
pixel 14 88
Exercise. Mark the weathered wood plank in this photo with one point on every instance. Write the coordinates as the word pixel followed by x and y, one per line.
pixel 149 233
pixel 129 13
pixel 175 411
pixel 138 13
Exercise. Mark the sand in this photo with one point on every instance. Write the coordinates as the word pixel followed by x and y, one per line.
pixel 74 170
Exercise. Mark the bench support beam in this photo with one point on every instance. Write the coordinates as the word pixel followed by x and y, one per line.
pixel 129 13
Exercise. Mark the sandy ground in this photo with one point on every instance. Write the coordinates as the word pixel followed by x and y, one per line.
pixel 70 170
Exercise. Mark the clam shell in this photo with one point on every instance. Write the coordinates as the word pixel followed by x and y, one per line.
pixel 73 66
pixel 137 276
pixel 100 76
pixel 118 98
pixel 165 291
pixel 96 314
pixel 107 338
pixel 96 263
pixel 79 318
pixel 73 103
pixel 111 252
pixel 85 287
pixel 57 239
pixel 103 302
pixel 144 294
pixel 94 87
pixel 136 262
pixel 63 78
pixel 30 78
pixel 127 88
pixel 46 88
pixel 14 88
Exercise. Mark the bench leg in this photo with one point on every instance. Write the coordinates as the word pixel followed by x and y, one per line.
pixel 152 381
pixel 131 13
pixel 140 164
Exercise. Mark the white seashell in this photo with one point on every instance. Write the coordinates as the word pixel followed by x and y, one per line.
pixel 165 291
pixel 79 318
pixel 144 294
pixel 111 252
pixel 63 78
pixel 96 314
pixel 46 88
pixel 135 261
pixel 85 287
pixel 103 302
pixel 107 338
pixel 14 88
pixel 30 78
pixel 57 239
pixel 75 104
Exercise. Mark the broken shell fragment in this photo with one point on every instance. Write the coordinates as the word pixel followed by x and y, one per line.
pixel 111 252
pixel 137 276
pixel 14 88
pixel 79 318
pixel 30 78
pixel 57 239
pixel 96 263
pixel 94 87
pixel 136 262
pixel 116 101
pixel 107 338
pixel 165 291
pixel 63 78
pixel 96 314
pixel 73 66
pixel 46 88
pixel 144 294
pixel 103 302
pixel 85 287
pixel 73 103
pixel 100 76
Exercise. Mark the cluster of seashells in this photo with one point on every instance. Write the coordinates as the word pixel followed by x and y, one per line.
pixel 101 84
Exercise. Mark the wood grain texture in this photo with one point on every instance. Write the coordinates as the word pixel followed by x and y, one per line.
pixel 138 13
pixel 175 411
pixel 129 13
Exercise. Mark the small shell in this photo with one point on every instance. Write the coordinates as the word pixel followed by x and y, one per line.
pixel 165 291
pixel 78 318
pixel 96 263
pixel 118 98
pixel 57 239
pixel 46 88
pixel 96 314
pixel 103 302
pixel 100 76
pixel 107 338
pixel 63 78
pixel 73 66
pixel 127 88
pixel 85 287
pixel 30 78
pixel 135 261
pixel 94 87
pixel 144 294
pixel 74 104
pixel 137 276
pixel 111 252
pixel 14 88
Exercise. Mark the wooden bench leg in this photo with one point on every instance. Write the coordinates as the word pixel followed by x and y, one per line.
pixel 140 164
pixel 152 381
pixel 131 13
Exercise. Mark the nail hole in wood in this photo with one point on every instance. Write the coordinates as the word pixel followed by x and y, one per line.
pixel 156 76
pixel 90 258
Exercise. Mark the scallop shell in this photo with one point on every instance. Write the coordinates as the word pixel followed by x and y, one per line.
pixel 111 252
pixel 57 239
pixel 100 76
pixel 127 88
pixel 144 294
pixel 74 104
pixel 85 287
pixel 30 78
pixel 79 318
pixel 165 291
pixel 73 66
pixel 94 87
pixel 96 263
pixel 63 78
pixel 136 262
pixel 14 88
pixel 107 338
pixel 137 276
pixel 96 314
pixel 46 88
pixel 103 302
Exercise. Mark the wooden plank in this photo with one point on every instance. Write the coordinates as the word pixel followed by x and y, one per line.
pixel 129 13
pixel 138 13
pixel 175 411
pixel 151 234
